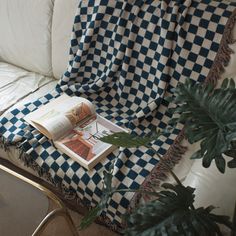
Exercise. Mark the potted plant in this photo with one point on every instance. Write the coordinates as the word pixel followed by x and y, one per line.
pixel 209 116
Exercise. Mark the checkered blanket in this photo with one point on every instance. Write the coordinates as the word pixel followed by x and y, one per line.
pixel 125 57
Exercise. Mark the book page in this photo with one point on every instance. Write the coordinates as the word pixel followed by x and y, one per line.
pixel 83 140
pixel 60 116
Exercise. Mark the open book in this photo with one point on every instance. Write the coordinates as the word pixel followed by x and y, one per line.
pixel 75 128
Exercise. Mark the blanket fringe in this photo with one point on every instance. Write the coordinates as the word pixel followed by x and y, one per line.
pixel 223 55
pixel 29 162
pixel 160 172
pixel 4 144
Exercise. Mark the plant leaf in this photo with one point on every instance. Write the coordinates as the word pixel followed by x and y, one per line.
pixel 225 83
pixel 127 140
pixel 231 84
pixel 220 164
pixel 232 163
pixel 172 214
pixel 107 191
pixel 209 116
pixel 231 153
pixel 196 155
pixel 90 217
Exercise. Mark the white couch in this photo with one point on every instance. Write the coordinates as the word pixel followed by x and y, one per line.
pixel 34 48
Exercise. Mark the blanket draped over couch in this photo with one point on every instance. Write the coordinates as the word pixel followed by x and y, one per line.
pixel 125 57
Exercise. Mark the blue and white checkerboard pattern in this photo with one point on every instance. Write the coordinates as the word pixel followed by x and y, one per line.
pixel 125 57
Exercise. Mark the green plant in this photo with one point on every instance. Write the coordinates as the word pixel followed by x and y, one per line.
pixel 173 214
pixel 209 115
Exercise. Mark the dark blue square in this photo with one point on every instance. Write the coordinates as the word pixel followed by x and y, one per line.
pixel 67 179
pixel 14 112
pixel 187 45
pixel 89 192
pixel 204 23
pixel 13 120
pixel 75 179
pixel 55 166
pixel 120 176
pixel 204 52
pixel 65 166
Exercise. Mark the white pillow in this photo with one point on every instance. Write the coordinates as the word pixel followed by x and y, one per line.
pixel 25 29
pixel 63 19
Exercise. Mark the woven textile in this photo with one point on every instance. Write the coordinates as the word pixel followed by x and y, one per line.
pixel 125 57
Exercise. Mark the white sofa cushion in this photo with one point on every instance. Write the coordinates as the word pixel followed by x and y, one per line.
pixel 25 27
pixel 17 83
pixel 61 33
